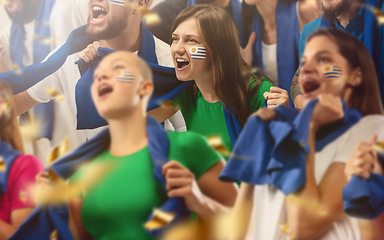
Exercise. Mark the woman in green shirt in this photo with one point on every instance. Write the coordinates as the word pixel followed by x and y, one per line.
pixel 205 49
pixel 118 206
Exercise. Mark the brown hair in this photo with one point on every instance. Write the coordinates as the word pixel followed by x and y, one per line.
pixel 365 97
pixel 9 126
pixel 231 74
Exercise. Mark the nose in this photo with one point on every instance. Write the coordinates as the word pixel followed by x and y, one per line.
pixel 308 67
pixel 103 74
pixel 178 48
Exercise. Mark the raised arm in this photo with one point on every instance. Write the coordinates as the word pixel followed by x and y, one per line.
pixel 23 102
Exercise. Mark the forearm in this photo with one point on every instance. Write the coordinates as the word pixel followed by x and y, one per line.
pixel 308 214
pixel 6 230
pixel 23 102
pixel 210 209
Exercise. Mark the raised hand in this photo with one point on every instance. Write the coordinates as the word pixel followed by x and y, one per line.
pixel 90 52
pixel 277 96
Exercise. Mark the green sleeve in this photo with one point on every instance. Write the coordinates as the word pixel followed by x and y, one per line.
pixel 257 101
pixel 197 155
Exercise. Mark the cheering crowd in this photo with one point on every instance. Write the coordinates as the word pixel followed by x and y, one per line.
pixel 192 119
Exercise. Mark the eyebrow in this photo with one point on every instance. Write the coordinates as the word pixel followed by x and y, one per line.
pixel 188 35
pixel 118 59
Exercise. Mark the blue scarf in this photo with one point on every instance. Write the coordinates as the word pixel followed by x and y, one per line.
pixel 40 51
pixel 366 29
pixel 8 155
pixel 275 152
pixel 44 220
pixel 237 18
pixel 167 87
pixel 288 36
pixel 365 198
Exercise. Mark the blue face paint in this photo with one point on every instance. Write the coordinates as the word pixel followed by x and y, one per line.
pixel 198 53
pixel 332 72
pixel 117 2
pixel 126 77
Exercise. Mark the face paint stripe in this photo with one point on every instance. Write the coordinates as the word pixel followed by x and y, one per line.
pixel 117 2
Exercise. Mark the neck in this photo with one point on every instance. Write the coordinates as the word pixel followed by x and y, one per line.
pixel 348 15
pixel 207 88
pixel 223 3
pixel 128 133
pixel 128 40
pixel 267 10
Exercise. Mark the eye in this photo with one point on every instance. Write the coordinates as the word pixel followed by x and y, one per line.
pixel 175 39
pixel 118 67
pixel 324 60
pixel 191 40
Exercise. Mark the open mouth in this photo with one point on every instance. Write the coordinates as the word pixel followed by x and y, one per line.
pixel 98 13
pixel 181 63
pixel 310 86
pixel 104 90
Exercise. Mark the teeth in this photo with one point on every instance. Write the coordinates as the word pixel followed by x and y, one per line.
pixel 97 8
pixel 181 60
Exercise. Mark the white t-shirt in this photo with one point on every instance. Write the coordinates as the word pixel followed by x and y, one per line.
pixel 65 79
pixel 269 209
pixel 270 62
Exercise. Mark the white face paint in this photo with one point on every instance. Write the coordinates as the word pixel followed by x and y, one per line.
pixel 198 53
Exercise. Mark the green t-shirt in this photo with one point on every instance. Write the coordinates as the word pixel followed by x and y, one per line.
pixel 119 205
pixel 208 118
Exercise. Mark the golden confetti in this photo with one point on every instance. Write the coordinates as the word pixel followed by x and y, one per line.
pixel 59 191
pixel 7 105
pixel 55 94
pixel 58 151
pixel 30 129
pixel 5 2
pixel 23 196
pixel 272 66
pixel 17 69
pixel 250 71
pixel 167 104
pixel 378 13
pixel 46 41
pixel 217 144
pixel 150 17
pixel 2 164
pixel 54 235
pixel 309 204
pixel 159 219
pixel 379 146
pixel 284 228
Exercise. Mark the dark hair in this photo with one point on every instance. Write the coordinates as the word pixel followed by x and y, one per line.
pixel 9 126
pixel 231 74
pixel 365 97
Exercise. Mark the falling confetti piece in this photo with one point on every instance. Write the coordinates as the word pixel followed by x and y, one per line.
pixel 151 19
pixel 159 219
pixel 46 41
pixel 17 69
pixel 55 94
pixel 379 14
pixel 58 151
pixel 272 66
pixel 4 2
pixel 167 104
pixel 7 105
pixel 54 235
pixel 60 191
pixel 284 228
pixel 309 204
pixel 217 144
pixel 250 71
pixel 2 164
pixel 30 129
pixel 23 196
pixel 379 146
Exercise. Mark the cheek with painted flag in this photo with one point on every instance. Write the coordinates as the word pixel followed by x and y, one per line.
pixel 125 77
pixel 332 72
pixel 198 53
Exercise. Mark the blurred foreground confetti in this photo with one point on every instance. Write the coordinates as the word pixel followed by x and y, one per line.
pixel 58 152
pixel 379 14
pixel 55 94
pixel 379 146
pixel 160 219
